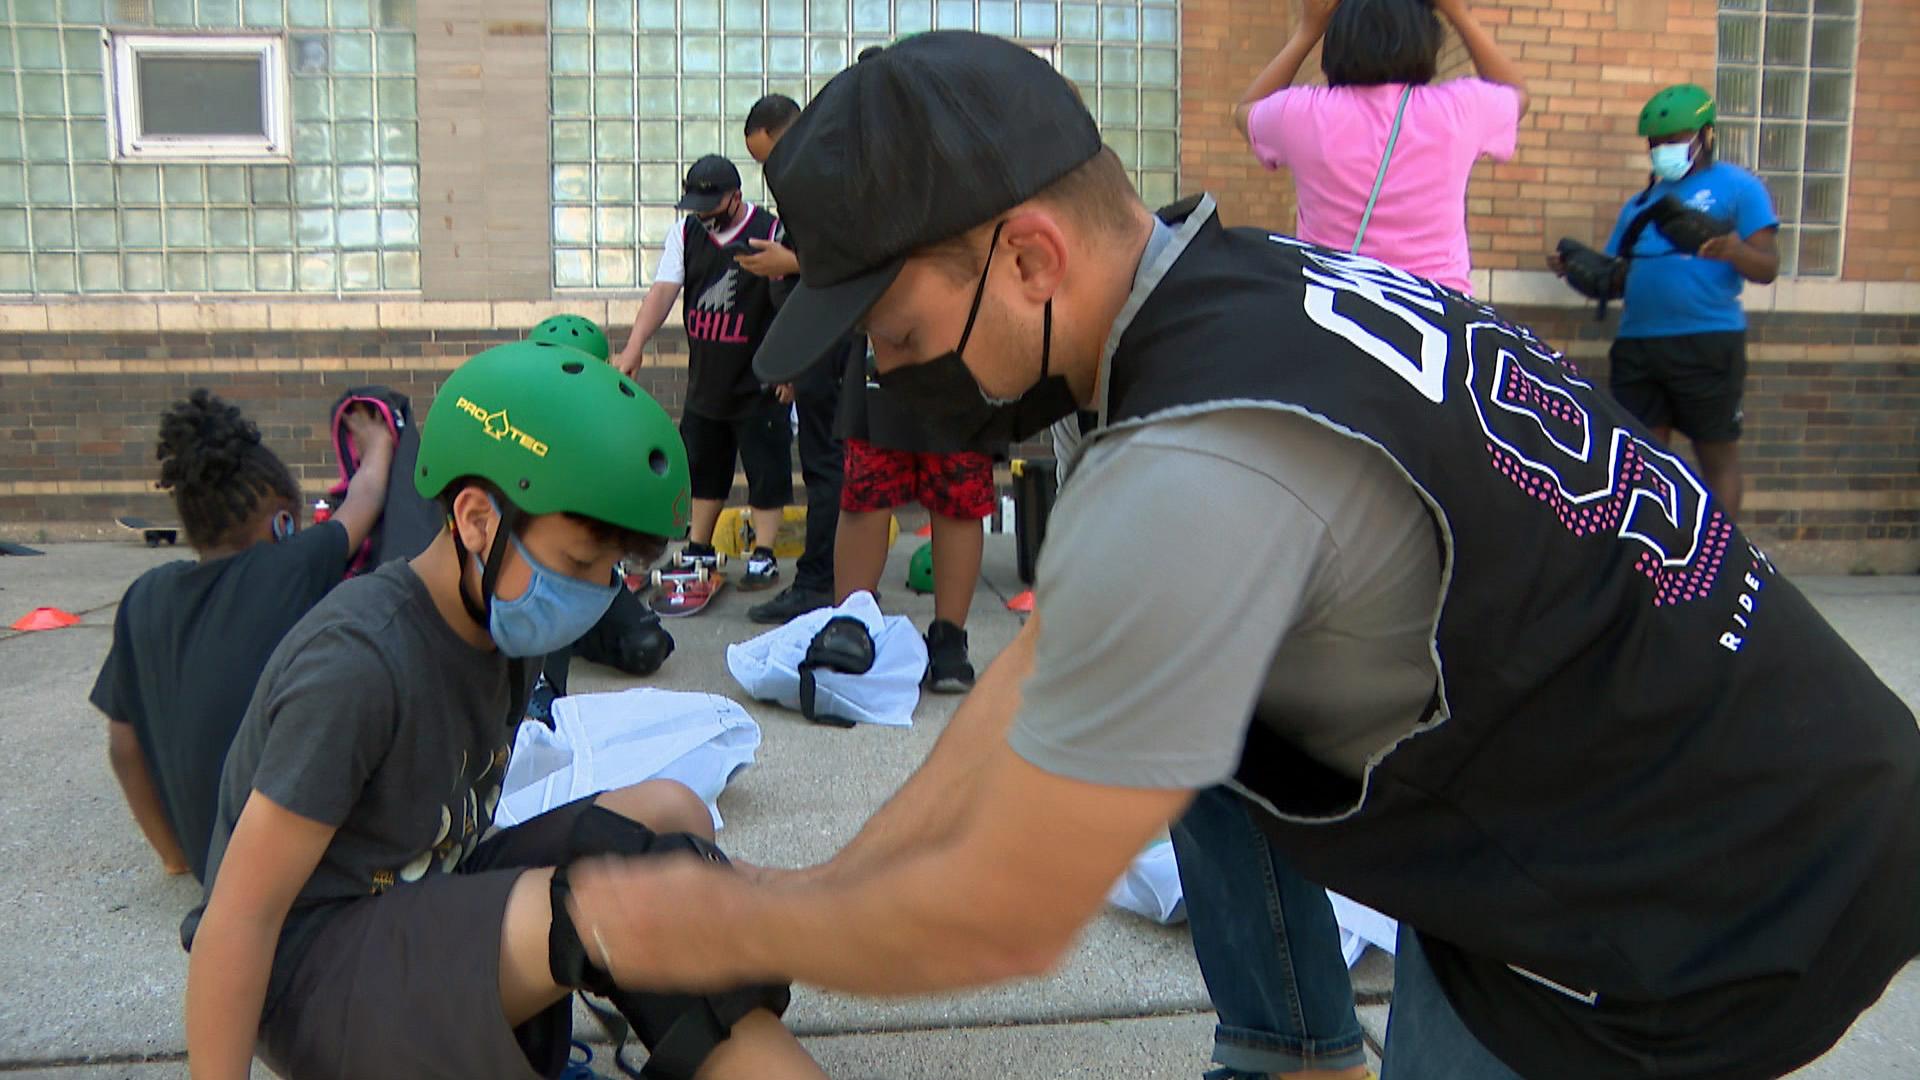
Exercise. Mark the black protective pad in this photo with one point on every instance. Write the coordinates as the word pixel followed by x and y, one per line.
pixel 628 637
pixel 843 645
pixel 678 1030
pixel 1592 274
pixel 408 522
pixel 1684 227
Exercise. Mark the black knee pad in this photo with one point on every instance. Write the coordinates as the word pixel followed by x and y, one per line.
pixel 842 645
pixel 678 1030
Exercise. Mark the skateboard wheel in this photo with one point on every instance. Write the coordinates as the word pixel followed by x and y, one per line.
pixel 654 577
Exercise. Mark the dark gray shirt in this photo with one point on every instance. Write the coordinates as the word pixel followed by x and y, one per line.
pixel 374 717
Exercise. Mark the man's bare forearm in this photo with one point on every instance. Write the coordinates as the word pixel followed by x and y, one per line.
pixel 924 809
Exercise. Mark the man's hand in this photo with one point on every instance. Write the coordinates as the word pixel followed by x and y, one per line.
pixel 784 393
pixel 368 431
pixel 770 259
pixel 629 361
pixel 661 923
pixel 1556 264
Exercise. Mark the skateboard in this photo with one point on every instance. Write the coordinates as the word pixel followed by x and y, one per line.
pixel 152 532
pixel 679 593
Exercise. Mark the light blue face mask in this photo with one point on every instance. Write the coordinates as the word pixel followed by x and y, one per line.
pixel 1671 161
pixel 551 614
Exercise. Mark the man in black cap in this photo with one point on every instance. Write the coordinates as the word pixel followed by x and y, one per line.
pixel 1500 666
pixel 728 409
pixel 816 396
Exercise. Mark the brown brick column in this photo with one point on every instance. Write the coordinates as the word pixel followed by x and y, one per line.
pixel 484 174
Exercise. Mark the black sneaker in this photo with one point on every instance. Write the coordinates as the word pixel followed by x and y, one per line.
pixel 692 555
pixel 762 571
pixel 793 601
pixel 948 669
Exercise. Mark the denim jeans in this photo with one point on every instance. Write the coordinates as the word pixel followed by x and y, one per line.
pixel 1425 1038
pixel 1268 947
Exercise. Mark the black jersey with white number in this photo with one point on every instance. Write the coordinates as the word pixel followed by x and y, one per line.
pixel 1660 820
pixel 727 312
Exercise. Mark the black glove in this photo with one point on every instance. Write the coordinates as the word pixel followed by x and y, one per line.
pixel 1592 274
pixel 1684 227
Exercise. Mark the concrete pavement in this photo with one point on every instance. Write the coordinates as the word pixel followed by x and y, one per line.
pixel 91 969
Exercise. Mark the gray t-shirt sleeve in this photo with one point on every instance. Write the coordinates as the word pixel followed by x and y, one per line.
pixel 1171 572
pixel 329 722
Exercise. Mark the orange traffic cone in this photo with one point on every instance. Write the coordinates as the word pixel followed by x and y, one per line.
pixel 1022 603
pixel 46 618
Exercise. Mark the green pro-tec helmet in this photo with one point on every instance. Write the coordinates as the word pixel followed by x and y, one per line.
pixel 556 432
pixel 920 569
pixel 574 331
pixel 1676 110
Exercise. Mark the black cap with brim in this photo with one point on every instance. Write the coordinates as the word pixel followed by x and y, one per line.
pixel 813 318
pixel 930 138
pixel 701 202
pixel 709 181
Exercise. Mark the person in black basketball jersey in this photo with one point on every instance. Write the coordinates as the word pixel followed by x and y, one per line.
pixel 728 411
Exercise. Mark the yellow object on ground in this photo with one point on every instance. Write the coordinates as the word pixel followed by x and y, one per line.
pixel 733 536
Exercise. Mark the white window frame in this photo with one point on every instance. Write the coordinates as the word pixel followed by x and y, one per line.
pixel 130 143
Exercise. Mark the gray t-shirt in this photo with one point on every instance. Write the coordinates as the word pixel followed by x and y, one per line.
pixel 1201 567
pixel 374 717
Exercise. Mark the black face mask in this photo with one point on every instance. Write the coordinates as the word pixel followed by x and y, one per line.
pixel 714 223
pixel 944 394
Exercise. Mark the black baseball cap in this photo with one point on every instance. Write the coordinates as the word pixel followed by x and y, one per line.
pixel 920 143
pixel 708 182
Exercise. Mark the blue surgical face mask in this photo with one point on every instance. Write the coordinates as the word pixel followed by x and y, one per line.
pixel 553 612
pixel 1671 161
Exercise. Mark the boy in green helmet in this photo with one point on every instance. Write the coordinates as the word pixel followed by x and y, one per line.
pixel 359 921
pixel 573 331
pixel 1679 360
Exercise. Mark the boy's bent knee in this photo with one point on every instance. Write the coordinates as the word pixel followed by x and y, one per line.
pixel 665 806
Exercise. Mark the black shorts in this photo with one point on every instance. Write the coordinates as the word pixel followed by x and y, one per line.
pixel 1692 383
pixel 407 983
pixel 763 442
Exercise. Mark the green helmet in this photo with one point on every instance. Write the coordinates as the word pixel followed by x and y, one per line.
pixel 1675 110
pixel 555 433
pixel 920 569
pixel 574 331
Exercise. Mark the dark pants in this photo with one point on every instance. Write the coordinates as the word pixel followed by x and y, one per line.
pixel 816 396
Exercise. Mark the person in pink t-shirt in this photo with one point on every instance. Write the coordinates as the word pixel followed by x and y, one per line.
pixel 1332 137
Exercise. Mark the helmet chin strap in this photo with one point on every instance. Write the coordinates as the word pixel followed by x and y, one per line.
pixel 481 611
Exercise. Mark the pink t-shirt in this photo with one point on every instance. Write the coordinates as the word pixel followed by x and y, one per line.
pixel 1332 137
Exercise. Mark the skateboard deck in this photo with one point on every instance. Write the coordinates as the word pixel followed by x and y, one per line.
pixel 677 595
pixel 152 532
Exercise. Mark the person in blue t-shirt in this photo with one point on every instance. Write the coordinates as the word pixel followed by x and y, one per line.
pixel 1680 358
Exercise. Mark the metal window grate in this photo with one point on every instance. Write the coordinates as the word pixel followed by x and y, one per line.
pixel 641 88
pixel 1785 77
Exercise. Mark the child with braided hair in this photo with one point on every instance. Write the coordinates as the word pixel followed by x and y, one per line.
pixel 191 638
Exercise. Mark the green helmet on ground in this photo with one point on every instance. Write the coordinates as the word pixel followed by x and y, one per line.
pixel 574 331
pixel 920 569
pixel 1677 110
pixel 556 433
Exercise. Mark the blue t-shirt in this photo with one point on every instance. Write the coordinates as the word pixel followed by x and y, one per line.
pixel 1668 293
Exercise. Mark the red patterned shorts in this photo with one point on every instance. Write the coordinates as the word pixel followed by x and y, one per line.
pixel 956 485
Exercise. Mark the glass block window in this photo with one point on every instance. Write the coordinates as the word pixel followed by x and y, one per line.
pixel 1786 75
pixel 642 88
pixel 337 213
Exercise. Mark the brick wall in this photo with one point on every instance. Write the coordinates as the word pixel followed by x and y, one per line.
pixel 1832 443
pixel 1883 198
